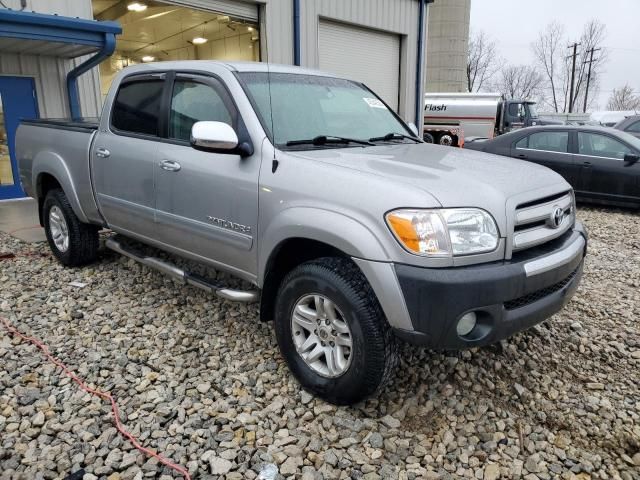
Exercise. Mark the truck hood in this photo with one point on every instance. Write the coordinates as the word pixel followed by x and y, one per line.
pixel 454 177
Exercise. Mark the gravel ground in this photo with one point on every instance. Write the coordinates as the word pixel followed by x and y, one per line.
pixel 201 380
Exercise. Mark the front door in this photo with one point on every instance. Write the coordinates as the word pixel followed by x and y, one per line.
pixel 17 101
pixel 206 203
pixel 603 172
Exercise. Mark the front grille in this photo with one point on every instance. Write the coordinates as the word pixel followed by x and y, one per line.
pixel 534 221
pixel 539 294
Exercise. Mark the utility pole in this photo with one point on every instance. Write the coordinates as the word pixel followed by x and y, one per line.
pixel 573 74
pixel 590 62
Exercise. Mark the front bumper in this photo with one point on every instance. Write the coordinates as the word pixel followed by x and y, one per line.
pixel 507 297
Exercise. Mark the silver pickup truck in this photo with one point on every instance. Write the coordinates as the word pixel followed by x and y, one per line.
pixel 353 231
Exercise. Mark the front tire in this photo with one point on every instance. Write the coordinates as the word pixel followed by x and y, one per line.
pixel 332 332
pixel 72 242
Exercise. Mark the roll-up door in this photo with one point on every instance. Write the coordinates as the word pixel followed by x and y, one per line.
pixel 246 10
pixel 362 54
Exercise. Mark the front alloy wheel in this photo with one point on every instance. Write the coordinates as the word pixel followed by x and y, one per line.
pixel 321 336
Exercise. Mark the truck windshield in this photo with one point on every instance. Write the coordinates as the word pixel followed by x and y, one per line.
pixel 533 111
pixel 309 107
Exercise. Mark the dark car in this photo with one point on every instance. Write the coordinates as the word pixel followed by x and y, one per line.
pixel 600 163
pixel 630 125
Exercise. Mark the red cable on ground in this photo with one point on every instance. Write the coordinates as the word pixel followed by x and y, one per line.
pixel 103 395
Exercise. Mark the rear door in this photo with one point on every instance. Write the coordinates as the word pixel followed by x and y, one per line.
pixel 124 155
pixel 603 172
pixel 551 149
pixel 207 203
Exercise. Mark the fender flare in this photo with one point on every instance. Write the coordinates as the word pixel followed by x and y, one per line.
pixel 52 164
pixel 335 229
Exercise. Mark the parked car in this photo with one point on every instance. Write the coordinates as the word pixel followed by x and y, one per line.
pixel 353 232
pixel 601 164
pixel 630 125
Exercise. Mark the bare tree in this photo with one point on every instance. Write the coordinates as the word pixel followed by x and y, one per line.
pixel 520 81
pixel 482 61
pixel 624 99
pixel 550 51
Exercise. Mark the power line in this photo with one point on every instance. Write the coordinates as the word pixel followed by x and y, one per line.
pixel 591 51
pixel 574 55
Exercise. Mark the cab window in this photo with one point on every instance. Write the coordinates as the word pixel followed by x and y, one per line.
pixel 596 145
pixel 136 108
pixel 517 110
pixel 193 102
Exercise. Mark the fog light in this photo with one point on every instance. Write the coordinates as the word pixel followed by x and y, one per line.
pixel 466 324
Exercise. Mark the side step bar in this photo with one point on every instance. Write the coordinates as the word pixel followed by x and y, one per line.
pixel 184 277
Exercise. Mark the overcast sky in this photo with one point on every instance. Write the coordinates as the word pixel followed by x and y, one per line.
pixel 514 25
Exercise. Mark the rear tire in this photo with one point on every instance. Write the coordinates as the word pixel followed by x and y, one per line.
pixel 428 138
pixel 446 140
pixel 349 302
pixel 72 242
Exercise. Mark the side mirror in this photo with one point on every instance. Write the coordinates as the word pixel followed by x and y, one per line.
pixel 214 136
pixel 630 159
pixel 414 129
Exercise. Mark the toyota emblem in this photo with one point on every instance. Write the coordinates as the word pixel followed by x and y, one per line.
pixel 557 216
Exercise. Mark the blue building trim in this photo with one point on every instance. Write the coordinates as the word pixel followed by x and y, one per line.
pixel 420 62
pixel 65 30
pixel 107 49
pixel 296 33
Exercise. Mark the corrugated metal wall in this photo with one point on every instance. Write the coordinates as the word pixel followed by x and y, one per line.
pixel 276 31
pixel 50 73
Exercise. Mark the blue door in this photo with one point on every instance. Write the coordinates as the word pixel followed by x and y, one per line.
pixel 17 101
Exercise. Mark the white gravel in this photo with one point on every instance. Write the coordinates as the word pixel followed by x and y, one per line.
pixel 201 380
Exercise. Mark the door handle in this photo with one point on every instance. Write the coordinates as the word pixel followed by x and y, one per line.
pixel 102 152
pixel 522 155
pixel 170 166
pixel 586 164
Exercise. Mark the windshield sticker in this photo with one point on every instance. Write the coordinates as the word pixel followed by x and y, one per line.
pixel 374 102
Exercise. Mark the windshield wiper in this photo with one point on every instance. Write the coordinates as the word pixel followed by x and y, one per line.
pixel 327 139
pixel 394 136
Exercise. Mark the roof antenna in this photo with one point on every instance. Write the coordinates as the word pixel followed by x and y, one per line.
pixel 274 162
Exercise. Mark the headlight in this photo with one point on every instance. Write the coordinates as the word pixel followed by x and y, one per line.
pixel 444 232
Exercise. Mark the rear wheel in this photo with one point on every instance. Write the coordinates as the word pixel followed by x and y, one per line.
pixel 332 332
pixel 427 137
pixel 72 242
pixel 446 140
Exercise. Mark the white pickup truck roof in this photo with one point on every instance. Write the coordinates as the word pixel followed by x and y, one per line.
pixel 204 65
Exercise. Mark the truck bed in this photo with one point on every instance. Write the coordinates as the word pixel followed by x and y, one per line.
pixel 59 147
pixel 81 124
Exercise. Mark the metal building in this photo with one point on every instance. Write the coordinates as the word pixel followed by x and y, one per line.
pixel 379 42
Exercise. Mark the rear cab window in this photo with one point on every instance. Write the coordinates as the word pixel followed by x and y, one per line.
pixel 136 108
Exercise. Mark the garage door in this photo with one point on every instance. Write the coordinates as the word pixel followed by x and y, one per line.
pixel 234 8
pixel 361 54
